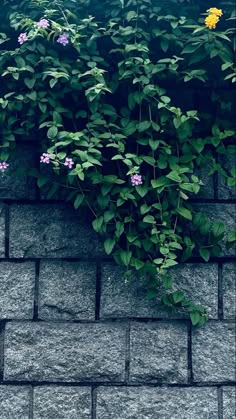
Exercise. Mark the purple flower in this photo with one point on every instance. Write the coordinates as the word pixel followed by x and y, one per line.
pixel 3 166
pixel 63 39
pixel 69 162
pixel 45 158
pixel 43 23
pixel 136 180
pixel 22 38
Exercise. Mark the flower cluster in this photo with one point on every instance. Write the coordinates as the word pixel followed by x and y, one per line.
pixel 22 38
pixel 69 163
pixel 213 17
pixel 63 39
pixel 3 166
pixel 136 180
pixel 43 23
pixel 45 158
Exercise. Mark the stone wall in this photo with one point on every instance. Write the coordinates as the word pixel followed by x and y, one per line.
pixel 76 343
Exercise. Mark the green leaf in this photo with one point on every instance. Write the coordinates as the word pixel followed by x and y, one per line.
pixel 174 176
pixel 97 224
pixel 218 229
pixel 42 180
pixel 231 236
pixel 52 132
pixel 185 213
pixel 178 296
pixel 109 246
pixel 195 317
pixel 204 253
pixel 149 219
pixel 78 201
pixel 125 256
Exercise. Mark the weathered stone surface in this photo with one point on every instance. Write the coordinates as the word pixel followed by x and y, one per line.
pixel 15 184
pixel 229 290
pixel 67 290
pixel 229 402
pixel 17 281
pixel 62 403
pixel 221 212
pixel 158 353
pixel 213 352
pixel 14 402
pixel 2 231
pixel 157 403
pixel 50 231
pixel 225 191
pixel 64 352
pixel 198 281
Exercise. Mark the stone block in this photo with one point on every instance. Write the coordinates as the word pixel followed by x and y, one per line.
pixel 17 282
pixel 14 402
pixel 50 231
pixel 156 403
pixel 221 212
pixel 225 191
pixel 64 352
pixel 15 183
pixel 229 402
pixel 213 352
pixel 67 290
pixel 119 299
pixel 158 353
pixel 62 402
pixel 229 290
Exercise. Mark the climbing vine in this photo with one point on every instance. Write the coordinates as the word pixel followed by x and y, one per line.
pixel 104 88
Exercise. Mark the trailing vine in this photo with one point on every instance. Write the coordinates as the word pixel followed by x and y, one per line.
pixel 95 83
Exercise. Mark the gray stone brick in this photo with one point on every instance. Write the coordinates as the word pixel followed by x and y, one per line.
pixel 62 403
pixel 67 290
pixel 229 402
pixel 207 189
pixel 157 403
pixel 64 352
pixel 224 191
pixel 14 183
pixel 118 299
pixel 213 351
pixel 229 290
pixel 17 281
pixel 2 231
pixel 14 402
pixel 221 212
pixel 158 353
pixel 50 231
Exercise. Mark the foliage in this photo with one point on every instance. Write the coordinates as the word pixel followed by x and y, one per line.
pixel 111 107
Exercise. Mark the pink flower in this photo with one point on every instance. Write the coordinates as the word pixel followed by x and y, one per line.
pixel 69 162
pixel 136 180
pixel 22 38
pixel 45 158
pixel 43 23
pixel 63 39
pixel 3 166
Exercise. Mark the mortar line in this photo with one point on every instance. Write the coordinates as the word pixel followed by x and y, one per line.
pixel 220 402
pixel 220 293
pixel 2 336
pixel 31 402
pixel 190 357
pixel 36 290
pixel 127 352
pixel 98 290
pixel 93 402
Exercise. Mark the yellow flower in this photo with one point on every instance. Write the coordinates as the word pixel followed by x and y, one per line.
pixel 211 21
pixel 215 11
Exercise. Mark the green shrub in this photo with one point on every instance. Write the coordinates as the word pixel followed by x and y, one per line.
pixel 96 83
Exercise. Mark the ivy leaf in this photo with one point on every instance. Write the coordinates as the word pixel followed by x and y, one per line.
pixel 218 229
pixel 109 246
pixel 195 317
pixel 205 254
pixel 149 219
pixel 78 201
pixel 125 256
pixel 185 213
